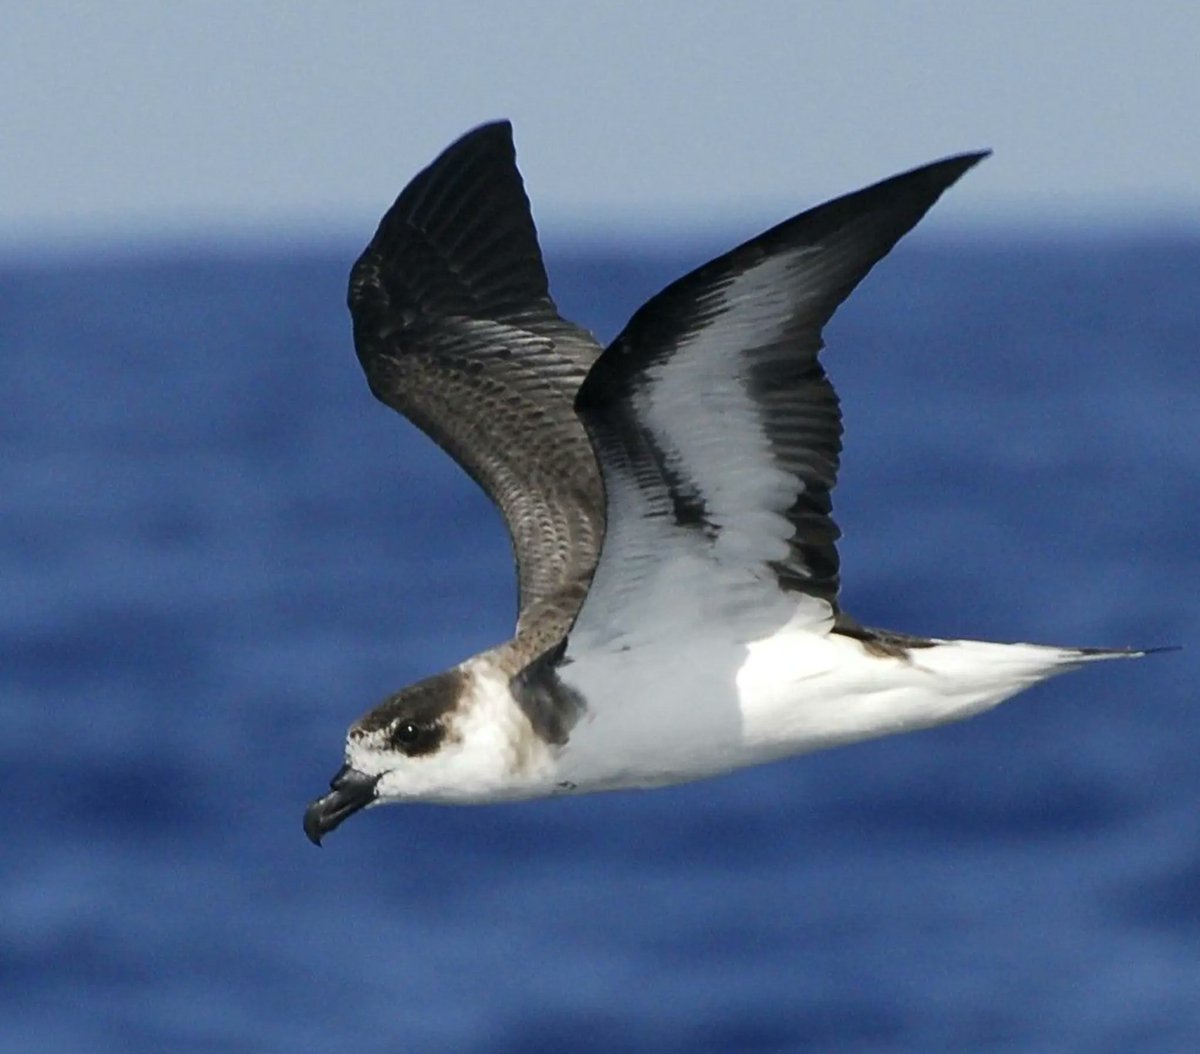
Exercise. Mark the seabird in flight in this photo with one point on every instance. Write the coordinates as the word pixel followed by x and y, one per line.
pixel 668 501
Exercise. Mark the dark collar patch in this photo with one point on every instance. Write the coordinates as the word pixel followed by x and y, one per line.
pixel 551 707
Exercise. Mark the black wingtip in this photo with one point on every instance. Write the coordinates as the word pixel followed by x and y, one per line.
pixel 848 235
pixel 458 240
pixel 955 166
pixel 501 126
pixel 908 194
pixel 969 158
pixel 491 135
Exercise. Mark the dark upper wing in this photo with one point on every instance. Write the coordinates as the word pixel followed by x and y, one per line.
pixel 717 430
pixel 455 328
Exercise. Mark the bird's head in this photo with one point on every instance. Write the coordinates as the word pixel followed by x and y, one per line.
pixel 453 737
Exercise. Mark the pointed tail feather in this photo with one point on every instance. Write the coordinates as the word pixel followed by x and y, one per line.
pixel 1091 654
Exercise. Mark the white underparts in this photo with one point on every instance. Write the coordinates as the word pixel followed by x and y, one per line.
pixel 707 706
pixel 698 704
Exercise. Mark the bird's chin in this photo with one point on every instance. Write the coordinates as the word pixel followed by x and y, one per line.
pixel 350 791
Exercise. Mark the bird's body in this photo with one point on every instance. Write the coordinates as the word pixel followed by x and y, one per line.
pixel 668 501
pixel 720 706
pixel 697 705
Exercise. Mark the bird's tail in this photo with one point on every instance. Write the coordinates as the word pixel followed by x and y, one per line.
pixel 977 675
pixel 1078 656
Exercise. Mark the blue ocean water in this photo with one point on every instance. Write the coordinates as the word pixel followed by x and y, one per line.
pixel 216 550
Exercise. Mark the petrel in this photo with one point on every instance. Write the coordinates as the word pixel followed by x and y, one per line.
pixel 668 501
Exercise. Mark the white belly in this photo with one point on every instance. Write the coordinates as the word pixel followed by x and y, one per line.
pixel 687 708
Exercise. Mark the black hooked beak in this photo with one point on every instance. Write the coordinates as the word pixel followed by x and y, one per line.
pixel 350 790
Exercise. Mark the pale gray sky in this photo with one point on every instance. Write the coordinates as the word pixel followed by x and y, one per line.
pixel 147 119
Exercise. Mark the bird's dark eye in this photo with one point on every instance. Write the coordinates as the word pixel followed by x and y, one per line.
pixel 415 737
pixel 406 733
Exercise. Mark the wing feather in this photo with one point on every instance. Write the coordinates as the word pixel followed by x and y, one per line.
pixel 718 432
pixel 455 328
